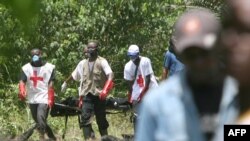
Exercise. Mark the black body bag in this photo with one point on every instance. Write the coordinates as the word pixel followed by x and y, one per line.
pixel 67 107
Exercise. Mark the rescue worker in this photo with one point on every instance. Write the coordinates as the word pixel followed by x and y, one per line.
pixel 96 82
pixel 140 77
pixel 36 85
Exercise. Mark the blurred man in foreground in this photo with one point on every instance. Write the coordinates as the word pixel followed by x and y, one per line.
pixel 194 105
pixel 236 40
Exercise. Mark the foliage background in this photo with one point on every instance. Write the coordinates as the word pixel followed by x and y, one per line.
pixel 61 28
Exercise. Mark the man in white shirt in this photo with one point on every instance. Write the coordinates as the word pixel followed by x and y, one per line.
pixel 96 79
pixel 77 75
pixel 139 74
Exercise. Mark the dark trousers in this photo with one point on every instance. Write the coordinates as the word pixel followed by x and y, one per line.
pixel 93 105
pixel 40 113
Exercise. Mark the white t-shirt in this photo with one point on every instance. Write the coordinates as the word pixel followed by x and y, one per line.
pixel 144 69
pixel 77 74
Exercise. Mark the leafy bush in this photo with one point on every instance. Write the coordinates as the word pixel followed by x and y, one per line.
pixel 62 29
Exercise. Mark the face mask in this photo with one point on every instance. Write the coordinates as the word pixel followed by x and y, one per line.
pixel 92 52
pixel 133 57
pixel 35 58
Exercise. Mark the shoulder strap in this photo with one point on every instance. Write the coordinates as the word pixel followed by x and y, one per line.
pixel 98 62
pixel 136 69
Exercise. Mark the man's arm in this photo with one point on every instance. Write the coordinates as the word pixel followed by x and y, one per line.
pixel 109 83
pixel 22 86
pixel 130 89
pixel 110 76
pixel 65 83
pixel 145 89
pixel 147 80
pixel 51 91
pixel 129 78
pixel 75 75
pixel 148 72
pixel 164 73
pixel 166 65
pixel 23 77
pixel 52 77
pixel 69 79
pixel 130 85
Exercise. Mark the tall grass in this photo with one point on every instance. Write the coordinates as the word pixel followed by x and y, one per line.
pixel 15 119
pixel 17 124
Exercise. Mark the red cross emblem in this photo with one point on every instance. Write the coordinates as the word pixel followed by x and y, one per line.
pixel 35 78
pixel 140 81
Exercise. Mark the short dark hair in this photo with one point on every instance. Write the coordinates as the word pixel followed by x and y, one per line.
pixel 94 43
pixel 36 51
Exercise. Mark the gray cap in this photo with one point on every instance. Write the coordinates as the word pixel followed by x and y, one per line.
pixel 196 27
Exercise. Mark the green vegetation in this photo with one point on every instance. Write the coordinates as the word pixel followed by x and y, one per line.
pixel 61 28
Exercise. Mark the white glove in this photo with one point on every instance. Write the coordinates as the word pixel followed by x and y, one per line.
pixel 63 87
